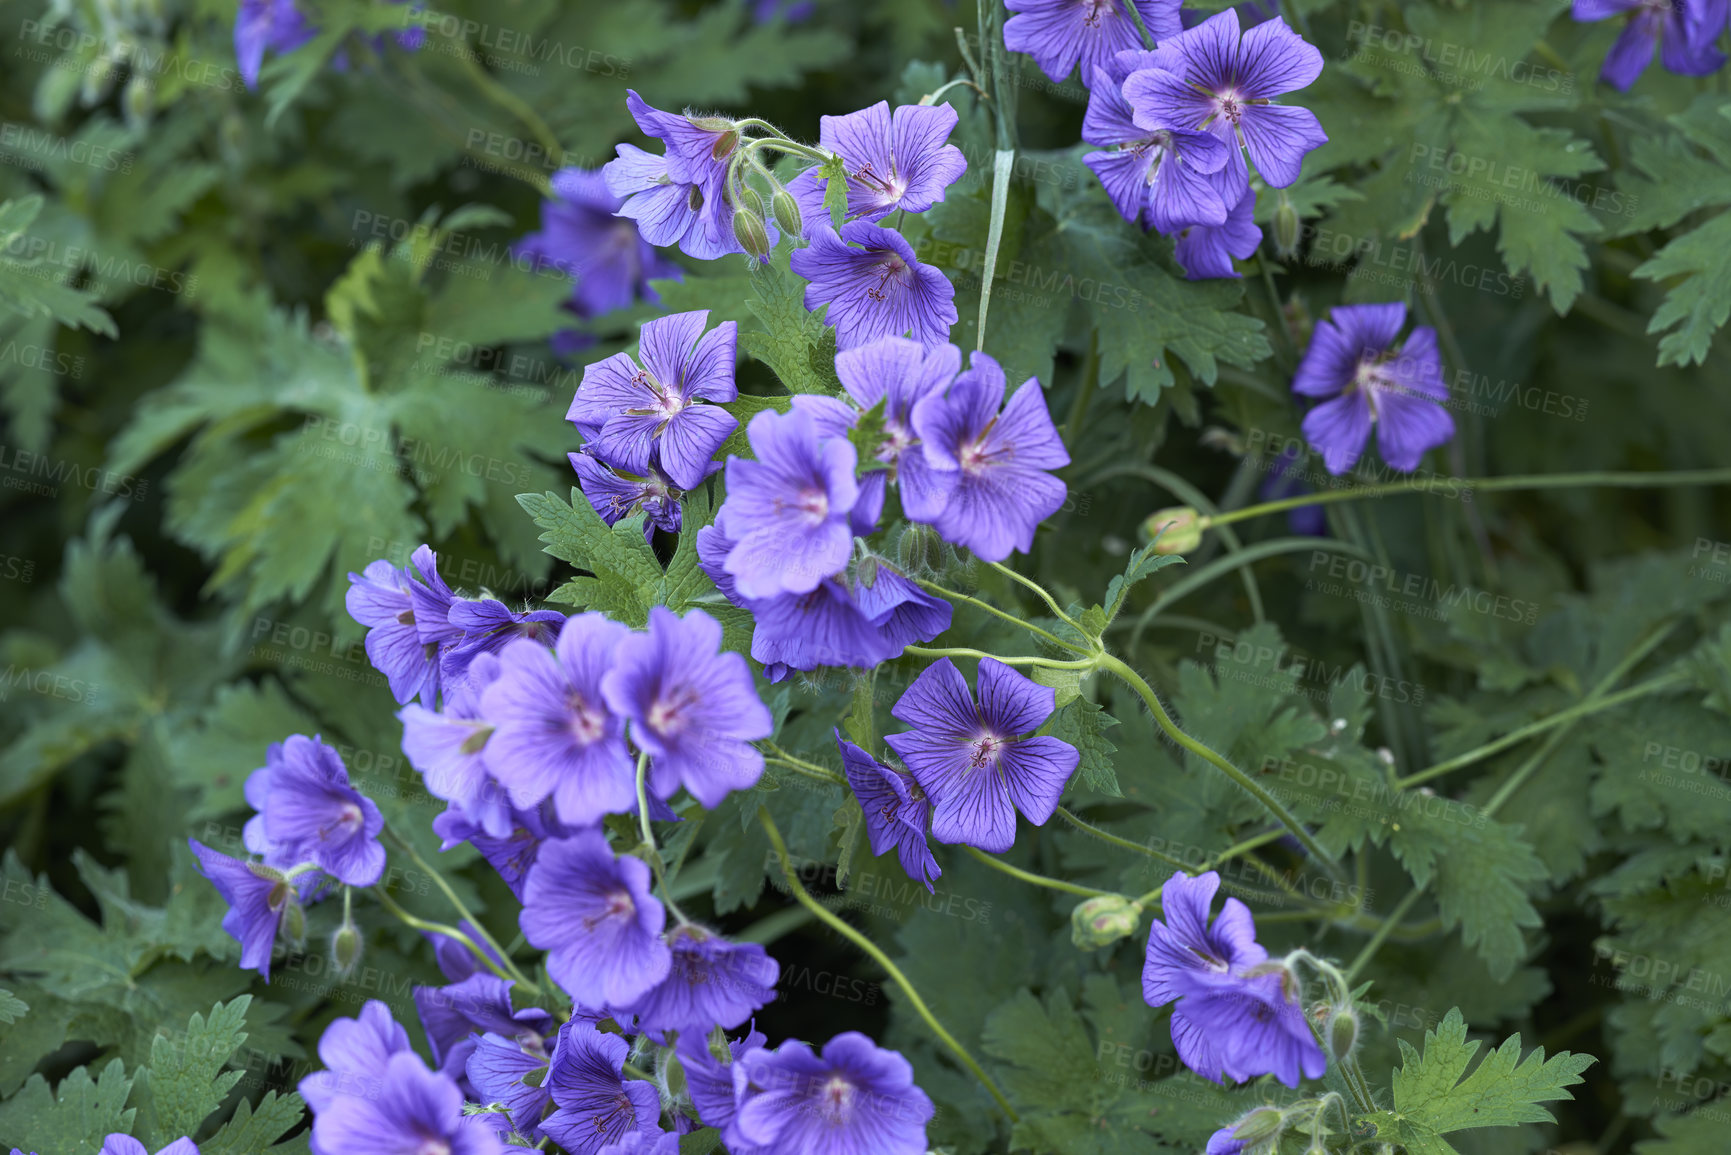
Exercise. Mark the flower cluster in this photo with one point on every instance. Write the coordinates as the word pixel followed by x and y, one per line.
pixel 1686 33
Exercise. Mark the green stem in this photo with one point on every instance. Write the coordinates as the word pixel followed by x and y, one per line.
pixel 1382 932
pixel 512 103
pixel 1070 816
pixel 1085 392
pixel 1590 706
pixel 463 912
pixel 942 591
pixel 1248 844
pixel 1254 788
pixel 1041 591
pixel 452 932
pixel 964 652
pixel 1484 485
pixel 841 927
pixel 649 837
pixel 809 769
pixel 1036 879
pixel 790 146
pixel 1279 320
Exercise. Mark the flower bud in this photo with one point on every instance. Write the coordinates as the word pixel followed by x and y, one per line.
pixel 748 230
pixel 919 549
pixel 346 948
pixel 718 1048
pixel 725 144
pixel 786 212
pixel 1286 225
pixel 751 202
pixel 294 921
pixel 1103 920
pixel 1342 1033
pixel 672 1071
pixel 1183 527
pixel 1259 1126
pixel 866 572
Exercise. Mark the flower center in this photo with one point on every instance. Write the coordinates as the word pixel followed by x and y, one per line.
pixel 889 189
pixel 892 266
pixel 897 437
pixel 587 723
pixel 984 750
pixel 1097 11
pixel 813 504
pixel 618 905
pixel 433 1145
pixel 667 716
pixel 837 1096
pixel 348 820
pixel 1230 105
pixel 974 456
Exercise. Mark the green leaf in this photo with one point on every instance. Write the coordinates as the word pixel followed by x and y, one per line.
pixel 624 568
pixel 793 342
pixel 833 172
pixel 1083 724
pixel 1700 300
pixel 185 1081
pixel 1436 1095
pixel 72 1119
pixel 1143 563
pixel 12 1008
pixel 252 1131
pixel 32 288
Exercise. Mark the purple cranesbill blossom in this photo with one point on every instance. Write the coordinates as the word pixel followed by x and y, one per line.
pixel 712 982
pixel 596 1104
pixel 414 1111
pixel 1353 361
pixel 256 902
pixel 496 1069
pixel 1227 87
pixel 355 1052
pixel 511 855
pixel 448 749
pixel 456 961
pixel 582 236
pixel 654 411
pixel 854 1097
pixel 1237 1015
pixel 431 600
pixel 711 1083
pixel 691 705
pixel 679 198
pixel 1206 251
pixel 971 760
pixel 450 1015
pixel 488 626
pixel 899 372
pixel 616 496
pixel 553 735
pixel 595 916
pixel 1684 30
pixel 645 1143
pixel 787 511
pixel 1058 33
pixel 898 609
pixel 277 25
pixel 312 814
pixel 1156 175
pixel 1225 1142
pixel 118 1144
pixel 992 464
pixel 381 598
pixel 873 285
pixel 899 160
pixel 896 811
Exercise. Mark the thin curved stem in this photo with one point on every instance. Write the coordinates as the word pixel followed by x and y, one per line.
pixel 1041 591
pixel 1382 932
pixel 1248 844
pixel 782 144
pixel 1254 788
pixel 428 925
pixel 1485 485
pixel 462 909
pixel 649 837
pixel 943 591
pixel 964 652
pixel 1070 816
pixel 841 927
pixel 1036 879
pixel 809 769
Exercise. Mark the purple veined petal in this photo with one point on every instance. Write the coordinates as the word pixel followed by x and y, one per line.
pixel 1257 1032
pixel 862 519
pixel 1687 47
pixel 1124 174
pixel 877 289
pixel 1035 771
pixel 608 387
pixel 938 701
pixel 596 917
pixel 1278 136
pixel 1024 433
pixel 446 751
pixel 900 610
pixel 1338 429
pixel 377 595
pixel 807 192
pixel 712 982
pixel 1408 426
pixel 924 491
pixel 496 1070
pixel 973 806
pixel 415 1108
pixel 920 142
pixel 596 1104
pixel 255 905
pixel 1010 703
pixel 996 511
pixel 1629 56
pixel 821 628
pixel 1109 119
pixel 1196 1046
pixel 1163 99
pixel 1206 251
pixel 1418 369
pixel 856 1098
pixel 709 367
pixel 868 371
pixel 947 421
pixel 663 214
pixel 1211 51
pixel 634 171
pixel 1182 195
pixel 882 794
pixel 119 1144
pixel 689 442
pixel 666 342
pixel 354 1052
pixel 711 1083
pixel 1341 342
pixel 1275 60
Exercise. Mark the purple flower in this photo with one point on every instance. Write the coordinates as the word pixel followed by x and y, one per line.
pixel 896 812
pixel 1237 1015
pixel 1057 33
pixel 899 161
pixel 450 1015
pixel 711 1083
pixel 355 1053
pixel 638 413
pixel 496 1070
pixel 581 236
pixel 900 372
pixel 969 759
pixel 431 599
pixel 992 464
pixel 787 511
pixel 679 198
pixel 488 626
pixel 511 854
pixel 118 1144
pixel 614 496
pixel 1225 1142
pixel 381 598
pixel 312 814
pixel 1157 176
pixel 691 705
pixel 597 1105
pixel 456 961
pixel 256 902
pixel 274 24
pixel 853 1098
pixel 448 749
pixel 1207 250
pixel 414 1111
pixel 876 289
pixel 594 914
pixel 712 982
pixel 1684 30
pixel 1226 87
pixel 553 735
pixel 1352 360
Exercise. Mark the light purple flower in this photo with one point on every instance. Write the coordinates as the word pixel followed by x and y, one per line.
pixel 691 705
pixel 119 1144
pixel 712 982
pixel 1058 33
pixel 896 812
pixel 597 1105
pixel 854 1098
pixel 1227 87
pixel 496 1069
pixel 972 761
pixel 1207 250
pixel 1238 1015
pixel 1353 361
pixel 991 464
pixel 654 410
pixel 1686 32
pixel 894 161
pixel 448 749
pixel 711 1083
pixel 451 1015
pixel 511 854
pixel 414 1111
pixel 679 198
pixel 595 916
pixel 900 372
pixel 488 626
pixel 582 236
pixel 355 1053
pixel 873 286
pixel 277 25
pixel 615 497
pixel 256 903
pixel 381 598
pixel 310 813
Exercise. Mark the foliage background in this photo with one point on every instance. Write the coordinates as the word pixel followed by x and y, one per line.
pixel 249 381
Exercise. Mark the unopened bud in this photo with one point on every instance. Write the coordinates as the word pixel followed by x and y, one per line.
pixel 294 922
pixel 919 549
pixel 748 230
pixel 867 571
pixel 1342 1033
pixel 1285 227
pixel 346 948
pixel 673 1071
pixel 725 144
pixel 1259 1126
pixel 1103 920
pixel 1182 526
pixel 718 1048
pixel 786 212
pixel 710 123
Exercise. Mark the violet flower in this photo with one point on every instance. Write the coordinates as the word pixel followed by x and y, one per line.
pixel 1059 33
pixel 874 286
